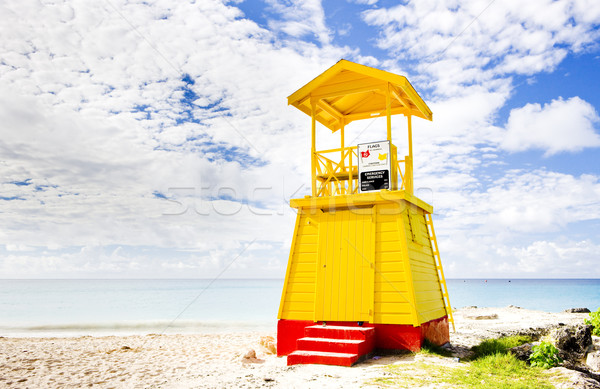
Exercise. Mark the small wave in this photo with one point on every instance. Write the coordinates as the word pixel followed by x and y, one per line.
pixel 136 328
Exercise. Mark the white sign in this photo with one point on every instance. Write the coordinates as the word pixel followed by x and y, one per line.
pixel 374 166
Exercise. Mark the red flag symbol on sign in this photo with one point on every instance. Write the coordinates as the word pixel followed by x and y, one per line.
pixel 365 154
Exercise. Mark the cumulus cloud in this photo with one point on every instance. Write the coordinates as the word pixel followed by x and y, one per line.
pixel 246 260
pixel 495 229
pixel 558 258
pixel 300 18
pixel 145 136
pixel 367 2
pixel 135 124
pixel 561 125
pixel 479 41
pixel 484 256
pixel 524 202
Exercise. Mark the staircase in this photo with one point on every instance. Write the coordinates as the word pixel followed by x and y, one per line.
pixel 333 345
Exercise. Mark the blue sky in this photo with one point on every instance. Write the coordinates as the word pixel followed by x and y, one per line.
pixel 153 139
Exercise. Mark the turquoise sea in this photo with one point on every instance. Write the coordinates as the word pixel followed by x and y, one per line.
pixel 104 307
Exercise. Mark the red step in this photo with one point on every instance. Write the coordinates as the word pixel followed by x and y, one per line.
pixel 351 346
pixel 321 358
pixel 339 332
pixel 333 345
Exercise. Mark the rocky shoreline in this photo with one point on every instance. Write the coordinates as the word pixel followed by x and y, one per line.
pixel 578 349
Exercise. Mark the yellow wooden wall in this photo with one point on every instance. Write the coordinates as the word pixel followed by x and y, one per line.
pixel 425 277
pixel 404 291
pixel 394 301
pixel 298 296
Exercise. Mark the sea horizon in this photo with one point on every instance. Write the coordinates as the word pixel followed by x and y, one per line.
pixel 99 306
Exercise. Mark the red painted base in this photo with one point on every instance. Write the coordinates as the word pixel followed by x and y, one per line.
pixel 387 336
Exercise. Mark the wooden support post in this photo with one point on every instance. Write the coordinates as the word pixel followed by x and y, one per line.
pixel 342 140
pixel 409 162
pixel 313 148
pixel 393 159
pixel 388 112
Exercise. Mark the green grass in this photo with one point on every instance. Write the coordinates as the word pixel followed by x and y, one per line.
pixel 492 366
pixel 500 371
pixel 500 345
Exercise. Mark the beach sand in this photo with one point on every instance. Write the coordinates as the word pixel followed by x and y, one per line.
pixel 222 360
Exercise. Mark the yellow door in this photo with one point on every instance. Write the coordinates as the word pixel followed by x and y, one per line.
pixel 345 266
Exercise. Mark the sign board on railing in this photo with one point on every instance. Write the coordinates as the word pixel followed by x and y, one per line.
pixel 374 166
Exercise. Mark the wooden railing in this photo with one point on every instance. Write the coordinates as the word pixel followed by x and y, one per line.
pixel 336 171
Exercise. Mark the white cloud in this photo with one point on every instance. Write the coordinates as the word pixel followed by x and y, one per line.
pixel 564 259
pixel 245 260
pixel 366 2
pixel 300 18
pixel 497 230
pixel 115 164
pixel 484 257
pixel 529 201
pixel 92 116
pixel 478 41
pixel 561 125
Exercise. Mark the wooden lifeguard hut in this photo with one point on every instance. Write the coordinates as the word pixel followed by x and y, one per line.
pixel 364 269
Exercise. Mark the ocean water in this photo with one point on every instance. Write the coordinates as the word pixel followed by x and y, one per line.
pixel 550 295
pixel 120 307
pixel 105 307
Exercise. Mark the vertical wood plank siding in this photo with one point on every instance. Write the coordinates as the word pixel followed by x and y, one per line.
pixel 351 266
pixel 426 282
pixel 298 301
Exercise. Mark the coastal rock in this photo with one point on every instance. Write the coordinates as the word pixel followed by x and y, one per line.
pixel 522 352
pixel 593 361
pixel 482 317
pixel 269 343
pixel 251 354
pixel 573 379
pixel 577 310
pixel 573 342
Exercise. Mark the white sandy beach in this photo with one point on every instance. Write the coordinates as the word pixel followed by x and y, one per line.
pixel 218 360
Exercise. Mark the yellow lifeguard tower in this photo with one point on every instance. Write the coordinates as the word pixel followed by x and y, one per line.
pixel 364 269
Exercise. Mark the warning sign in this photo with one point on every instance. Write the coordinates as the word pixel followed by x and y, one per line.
pixel 374 166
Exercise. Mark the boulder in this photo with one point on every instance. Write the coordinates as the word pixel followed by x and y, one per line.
pixel 593 361
pixel 522 352
pixel 251 354
pixel 573 342
pixel 577 310
pixel 566 378
pixel 269 343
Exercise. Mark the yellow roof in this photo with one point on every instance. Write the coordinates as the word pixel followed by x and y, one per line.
pixel 351 92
